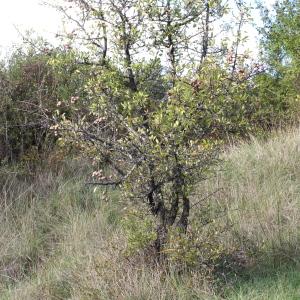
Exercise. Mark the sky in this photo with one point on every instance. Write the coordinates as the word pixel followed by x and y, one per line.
pixel 25 15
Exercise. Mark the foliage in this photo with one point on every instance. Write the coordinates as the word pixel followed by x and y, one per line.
pixel 197 249
pixel 29 87
pixel 279 86
pixel 34 88
pixel 139 229
pixel 281 37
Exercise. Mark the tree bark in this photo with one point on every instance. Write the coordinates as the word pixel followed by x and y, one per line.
pixel 184 219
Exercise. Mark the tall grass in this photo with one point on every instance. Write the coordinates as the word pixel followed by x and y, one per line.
pixel 261 191
pixel 60 239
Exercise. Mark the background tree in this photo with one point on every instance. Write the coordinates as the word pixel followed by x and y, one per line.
pixel 279 86
pixel 28 85
pixel 34 86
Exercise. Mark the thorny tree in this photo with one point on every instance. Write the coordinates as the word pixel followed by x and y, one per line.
pixel 151 120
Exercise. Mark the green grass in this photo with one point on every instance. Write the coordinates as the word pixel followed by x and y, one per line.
pixel 278 285
pixel 60 239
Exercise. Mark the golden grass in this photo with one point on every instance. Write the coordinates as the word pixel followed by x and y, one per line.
pixel 60 240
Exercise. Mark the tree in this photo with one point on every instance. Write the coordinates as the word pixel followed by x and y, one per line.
pixel 281 36
pixel 32 80
pixel 280 85
pixel 28 85
pixel 154 123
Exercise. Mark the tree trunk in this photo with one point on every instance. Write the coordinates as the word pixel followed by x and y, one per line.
pixel 184 219
pixel 161 233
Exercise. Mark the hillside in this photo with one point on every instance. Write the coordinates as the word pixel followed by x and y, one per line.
pixel 60 239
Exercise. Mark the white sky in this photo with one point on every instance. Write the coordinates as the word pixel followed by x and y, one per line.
pixel 30 14
pixel 25 15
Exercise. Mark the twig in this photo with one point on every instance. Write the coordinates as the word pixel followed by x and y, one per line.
pixel 206 197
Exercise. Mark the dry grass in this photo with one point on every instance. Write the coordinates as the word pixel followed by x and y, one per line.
pixel 261 192
pixel 60 240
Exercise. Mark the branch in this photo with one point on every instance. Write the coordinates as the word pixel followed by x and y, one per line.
pixel 206 197
pixel 117 182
